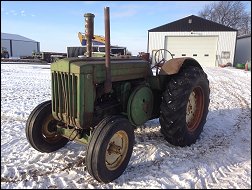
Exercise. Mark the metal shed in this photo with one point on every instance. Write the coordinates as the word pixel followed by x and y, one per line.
pixel 210 43
pixel 19 45
pixel 243 49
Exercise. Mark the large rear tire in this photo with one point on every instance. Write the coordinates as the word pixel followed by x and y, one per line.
pixel 184 107
pixel 110 148
pixel 41 130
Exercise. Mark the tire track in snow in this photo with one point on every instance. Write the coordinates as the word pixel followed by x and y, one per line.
pixel 220 174
pixel 12 175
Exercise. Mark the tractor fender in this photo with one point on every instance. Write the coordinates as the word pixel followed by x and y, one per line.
pixel 173 65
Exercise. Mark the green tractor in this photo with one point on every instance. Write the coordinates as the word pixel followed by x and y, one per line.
pixel 99 101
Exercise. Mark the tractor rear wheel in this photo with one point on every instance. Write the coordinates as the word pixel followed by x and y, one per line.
pixel 184 107
pixel 110 148
pixel 41 130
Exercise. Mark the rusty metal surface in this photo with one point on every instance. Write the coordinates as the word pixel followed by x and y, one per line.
pixel 172 66
pixel 144 56
pixel 195 109
pixel 108 83
pixel 89 31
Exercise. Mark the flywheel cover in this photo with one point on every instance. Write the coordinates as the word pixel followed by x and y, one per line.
pixel 140 105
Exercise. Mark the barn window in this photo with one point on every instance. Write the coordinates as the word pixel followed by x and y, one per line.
pixel 225 54
pixel 183 54
pixel 206 55
pixel 194 54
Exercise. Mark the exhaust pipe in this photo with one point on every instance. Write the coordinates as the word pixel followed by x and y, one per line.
pixel 108 82
pixel 89 32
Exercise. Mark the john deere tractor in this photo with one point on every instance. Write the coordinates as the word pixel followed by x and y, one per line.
pixel 99 101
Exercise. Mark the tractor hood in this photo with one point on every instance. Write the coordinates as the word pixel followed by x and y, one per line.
pixel 122 68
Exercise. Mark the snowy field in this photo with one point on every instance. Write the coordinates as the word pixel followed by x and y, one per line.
pixel 221 158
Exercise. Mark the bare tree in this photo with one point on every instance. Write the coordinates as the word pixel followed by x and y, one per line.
pixel 229 13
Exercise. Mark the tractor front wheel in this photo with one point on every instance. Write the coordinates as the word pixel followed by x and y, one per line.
pixel 110 148
pixel 41 130
pixel 184 107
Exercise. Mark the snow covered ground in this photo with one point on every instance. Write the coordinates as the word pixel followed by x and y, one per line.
pixel 221 158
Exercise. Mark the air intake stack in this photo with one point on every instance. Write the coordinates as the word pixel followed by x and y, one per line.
pixel 108 83
pixel 89 32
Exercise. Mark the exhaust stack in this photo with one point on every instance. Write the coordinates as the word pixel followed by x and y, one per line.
pixel 108 83
pixel 89 32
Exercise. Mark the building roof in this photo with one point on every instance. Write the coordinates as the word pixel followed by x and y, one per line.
pixel 244 36
pixel 191 23
pixel 7 36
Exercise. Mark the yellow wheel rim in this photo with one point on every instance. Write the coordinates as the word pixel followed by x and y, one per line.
pixel 195 109
pixel 116 150
pixel 49 130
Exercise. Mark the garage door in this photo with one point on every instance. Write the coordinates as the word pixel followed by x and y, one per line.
pixel 23 48
pixel 202 48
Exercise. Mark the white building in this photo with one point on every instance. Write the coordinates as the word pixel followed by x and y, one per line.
pixel 243 49
pixel 18 45
pixel 208 42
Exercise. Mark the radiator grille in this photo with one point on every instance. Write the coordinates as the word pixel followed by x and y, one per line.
pixel 64 96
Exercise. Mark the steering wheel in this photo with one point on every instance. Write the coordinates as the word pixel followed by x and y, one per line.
pixel 159 58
